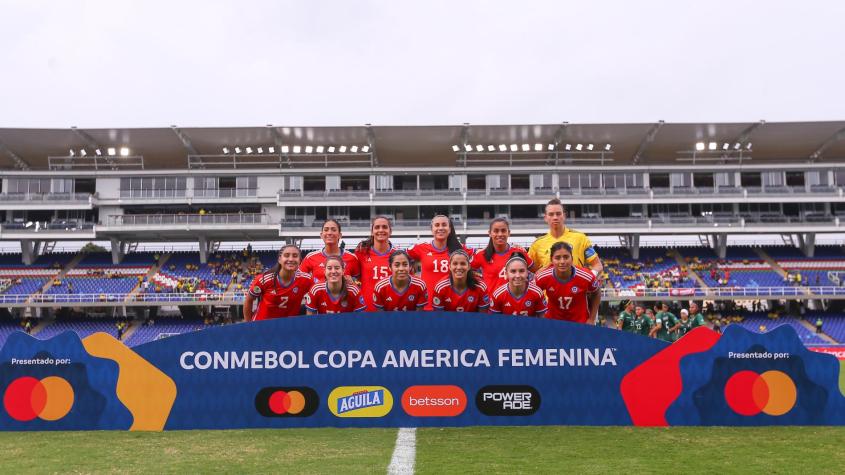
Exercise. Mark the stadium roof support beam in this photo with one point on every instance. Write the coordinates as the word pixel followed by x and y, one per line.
pixel 86 137
pixel 719 244
pixel 117 251
pixel 644 143
pixel 632 243
pixel 462 154
pixel 279 139
pixel 30 250
pixel 19 162
pixel 186 142
pixel 557 140
pixel 807 244
pixel 839 135
pixel 371 141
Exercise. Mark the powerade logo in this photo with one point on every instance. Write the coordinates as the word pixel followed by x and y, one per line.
pixel 517 400
pixel 360 401
pixel 434 401
pixel 286 402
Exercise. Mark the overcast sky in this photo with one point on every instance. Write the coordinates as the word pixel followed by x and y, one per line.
pixel 114 63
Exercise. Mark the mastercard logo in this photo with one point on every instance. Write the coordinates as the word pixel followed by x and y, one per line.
pixel 286 402
pixel 48 399
pixel 749 393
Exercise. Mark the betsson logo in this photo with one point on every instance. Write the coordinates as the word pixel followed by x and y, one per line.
pixel 434 401
pixel 516 400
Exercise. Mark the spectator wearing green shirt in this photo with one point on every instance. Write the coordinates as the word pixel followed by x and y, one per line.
pixel 625 321
pixel 666 324
pixel 694 315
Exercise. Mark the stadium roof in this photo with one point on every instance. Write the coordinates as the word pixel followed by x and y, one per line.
pixel 644 144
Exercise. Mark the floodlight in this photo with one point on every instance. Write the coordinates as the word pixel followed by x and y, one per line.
pixel 237 150
pixel 590 147
pixel 249 150
pixel 98 152
pixel 309 149
pixel 491 148
pixel 711 146
pixel 297 149
pixel 699 146
pixel 514 147
pixel 568 146
pixel 71 152
pixel 579 147
pixel 353 149
pixel 320 149
pixel 285 149
pixel 124 151
pixel 83 152
pixel 467 148
pixel 331 149
pixel 503 147
pixel 455 148
pixel 226 150
pixel 271 149
pixel 479 148
pixel 551 147
pixel 607 147
pixel 112 151
pixel 526 147
pixel 538 147
pixel 365 149
pixel 342 149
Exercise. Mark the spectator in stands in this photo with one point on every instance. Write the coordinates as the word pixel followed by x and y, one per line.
pixel 819 324
pixel 583 254
pixel 27 326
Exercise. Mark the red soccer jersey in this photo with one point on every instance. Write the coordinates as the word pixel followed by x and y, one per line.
pixel 494 272
pixel 387 298
pixel 315 264
pixel 374 267
pixel 434 263
pixel 473 299
pixel 319 300
pixel 531 304
pixel 568 299
pixel 276 299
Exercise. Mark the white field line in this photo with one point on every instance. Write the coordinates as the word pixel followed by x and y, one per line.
pixel 405 452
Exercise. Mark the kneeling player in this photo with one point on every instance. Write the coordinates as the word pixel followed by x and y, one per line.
pixel 518 296
pixel 462 291
pixel 574 293
pixel 401 292
pixel 334 295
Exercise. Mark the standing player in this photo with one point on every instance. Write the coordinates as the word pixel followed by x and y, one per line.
pixel 626 318
pixel 685 323
pixel 518 296
pixel 667 324
pixel 401 292
pixel 334 295
pixel 434 256
pixel 492 261
pixel 315 263
pixel 583 254
pixel 643 324
pixel 280 290
pixel 574 293
pixel 696 317
pixel 461 291
pixel 373 255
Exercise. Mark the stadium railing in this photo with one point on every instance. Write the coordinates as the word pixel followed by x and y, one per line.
pixel 155 219
pixel 30 197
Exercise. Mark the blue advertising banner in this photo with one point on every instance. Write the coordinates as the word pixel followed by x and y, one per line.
pixel 416 370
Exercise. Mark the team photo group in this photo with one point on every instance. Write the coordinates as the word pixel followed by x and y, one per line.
pixel 559 277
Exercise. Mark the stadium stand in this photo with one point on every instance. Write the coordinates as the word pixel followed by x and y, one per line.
pixel 82 326
pixel 656 267
pixel 162 327
pixel 762 322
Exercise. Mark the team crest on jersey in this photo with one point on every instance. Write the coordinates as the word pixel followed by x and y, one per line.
pixel 471 299
pixel 527 303
pixel 296 290
pixel 307 300
pixel 344 303
pixel 361 299
pixel 436 301
pixel 411 298
pixel 575 289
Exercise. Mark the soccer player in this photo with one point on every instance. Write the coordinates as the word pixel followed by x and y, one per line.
pixel 685 323
pixel 334 295
pixel 461 291
pixel 373 255
pixel 315 263
pixel 643 325
pixel 280 290
pixel 401 292
pixel 492 261
pixel 667 324
pixel 625 321
pixel 518 296
pixel 583 254
pixel 694 315
pixel 433 257
pixel 574 293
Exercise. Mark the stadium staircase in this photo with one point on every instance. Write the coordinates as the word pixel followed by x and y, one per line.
pixel 680 258
pixel 148 278
pixel 809 326
pixel 772 263
pixel 42 324
pixel 62 273
pixel 131 327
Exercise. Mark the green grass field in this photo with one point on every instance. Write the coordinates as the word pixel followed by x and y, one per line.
pixel 467 450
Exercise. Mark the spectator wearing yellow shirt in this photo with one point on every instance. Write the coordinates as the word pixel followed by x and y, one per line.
pixel 583 254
